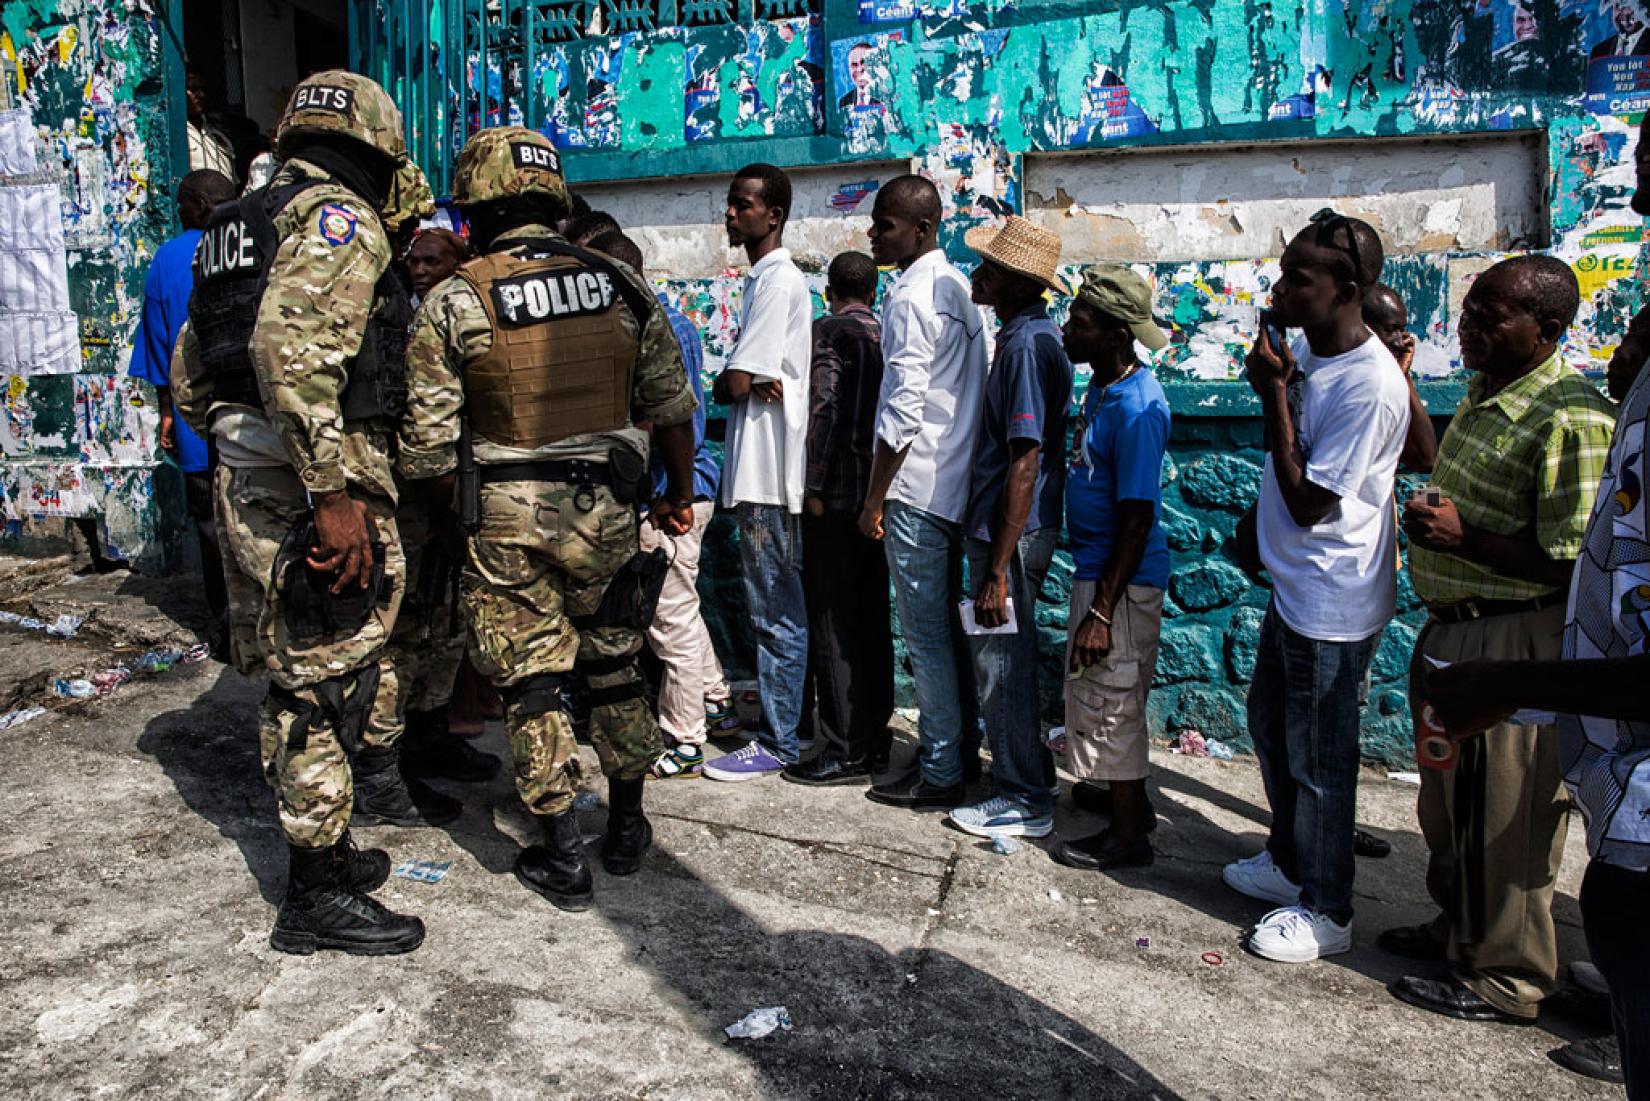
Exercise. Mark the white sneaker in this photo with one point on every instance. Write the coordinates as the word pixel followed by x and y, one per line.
pixel 1295 934
pixel 1259 878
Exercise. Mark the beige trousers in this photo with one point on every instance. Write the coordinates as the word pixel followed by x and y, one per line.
pixel 1106 705
pixel 679 637
pixel 1495 826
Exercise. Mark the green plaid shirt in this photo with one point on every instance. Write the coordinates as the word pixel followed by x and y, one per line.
pixel 1531 456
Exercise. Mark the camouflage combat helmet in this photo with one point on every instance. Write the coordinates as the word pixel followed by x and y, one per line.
pixel 339 102
pixel 506 161
pixel 410 200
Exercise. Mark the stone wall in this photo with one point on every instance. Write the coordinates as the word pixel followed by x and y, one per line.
pixel 1212 613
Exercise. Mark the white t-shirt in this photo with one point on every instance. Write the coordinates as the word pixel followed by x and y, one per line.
pixel 1336 581
pixel 767 441
pixel 933 382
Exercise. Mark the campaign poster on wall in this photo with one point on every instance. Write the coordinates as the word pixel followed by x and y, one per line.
pixel 1618 59
pixel 763 80
pixel 1108 111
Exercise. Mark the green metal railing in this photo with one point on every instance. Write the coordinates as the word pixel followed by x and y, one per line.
pixel 456 65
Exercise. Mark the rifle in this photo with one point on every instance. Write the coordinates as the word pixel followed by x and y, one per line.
pixel 469 481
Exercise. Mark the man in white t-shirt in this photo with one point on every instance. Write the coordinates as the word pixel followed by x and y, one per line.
pixel 1336 411
pixel 765 386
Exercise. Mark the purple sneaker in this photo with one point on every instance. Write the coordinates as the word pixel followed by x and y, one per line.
pixel 751 762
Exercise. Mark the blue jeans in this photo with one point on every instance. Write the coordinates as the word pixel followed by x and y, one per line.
pixel 1006 665
pixel 770 556
pixel 925 561
pixel 1304 705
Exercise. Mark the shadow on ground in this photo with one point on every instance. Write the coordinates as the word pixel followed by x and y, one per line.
pixel 209 750
pixel 869 1022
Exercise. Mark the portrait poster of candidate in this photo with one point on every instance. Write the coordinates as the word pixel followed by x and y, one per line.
pixel 860 71
pixel 1618 57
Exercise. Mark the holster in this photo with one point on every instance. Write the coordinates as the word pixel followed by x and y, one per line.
pixel 312 610
pixel 631 479
pixel 345 715
pixel 632 596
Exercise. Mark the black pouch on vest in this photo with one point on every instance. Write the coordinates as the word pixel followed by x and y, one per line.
pixel 632 595
pixel 313 611
pixel 630 475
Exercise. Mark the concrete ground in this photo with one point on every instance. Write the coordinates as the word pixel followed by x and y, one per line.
pixel 141 865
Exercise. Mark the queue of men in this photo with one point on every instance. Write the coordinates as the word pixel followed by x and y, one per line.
pixel 543 425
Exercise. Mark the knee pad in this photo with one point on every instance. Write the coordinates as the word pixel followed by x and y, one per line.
pixel 536 695
pixel 634 687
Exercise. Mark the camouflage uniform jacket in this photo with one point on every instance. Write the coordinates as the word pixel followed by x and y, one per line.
pixel 451 330
pixel 311 320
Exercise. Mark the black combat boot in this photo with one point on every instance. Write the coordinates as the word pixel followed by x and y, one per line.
pixel 430 750
pixel 629 833
pixel 321 911
pixel 364 869
pixel 383 797
pixel 558 869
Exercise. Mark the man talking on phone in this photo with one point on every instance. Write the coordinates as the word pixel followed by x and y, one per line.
pixel 1336 411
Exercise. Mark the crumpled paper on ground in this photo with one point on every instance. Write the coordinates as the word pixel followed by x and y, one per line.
pixel 759 1023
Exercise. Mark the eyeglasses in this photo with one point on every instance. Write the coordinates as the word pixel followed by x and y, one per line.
pixel 1329 220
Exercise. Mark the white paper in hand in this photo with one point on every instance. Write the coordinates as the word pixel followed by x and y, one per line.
pixel 971 626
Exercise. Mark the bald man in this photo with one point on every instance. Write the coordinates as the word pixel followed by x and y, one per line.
pixel 928 417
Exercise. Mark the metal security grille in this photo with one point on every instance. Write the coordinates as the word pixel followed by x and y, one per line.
pixel 454 66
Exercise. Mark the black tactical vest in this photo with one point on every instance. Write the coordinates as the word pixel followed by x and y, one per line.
pixel 232 265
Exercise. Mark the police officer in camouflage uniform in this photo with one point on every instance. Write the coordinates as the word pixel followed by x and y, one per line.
pixel 293 358
pixel 543 352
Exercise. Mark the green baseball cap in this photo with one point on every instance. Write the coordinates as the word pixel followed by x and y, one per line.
pixel 1118 292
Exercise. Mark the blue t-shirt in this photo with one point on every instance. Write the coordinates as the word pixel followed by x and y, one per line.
pixel 1026 396
pixel 706 474
pixel 1119 457
pixel 166 292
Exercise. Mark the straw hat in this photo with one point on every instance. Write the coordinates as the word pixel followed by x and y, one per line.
pixel 1020 247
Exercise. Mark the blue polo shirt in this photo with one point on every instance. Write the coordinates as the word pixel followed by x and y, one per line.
pixel 1026 397
pixel 1119 457
pixel 706 474
pixel 166 292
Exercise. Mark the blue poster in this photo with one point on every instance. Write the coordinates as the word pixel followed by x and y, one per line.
pixel 1618 85
pixel 1108 110
pixel 887 11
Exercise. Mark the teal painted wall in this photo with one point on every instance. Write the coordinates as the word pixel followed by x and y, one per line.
pixel 963 91
pixel 966 92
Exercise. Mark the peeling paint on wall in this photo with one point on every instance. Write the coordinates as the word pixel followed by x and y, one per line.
pixel 84 178
pixel 968 93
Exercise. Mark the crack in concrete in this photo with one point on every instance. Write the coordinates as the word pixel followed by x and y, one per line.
pixel 833 847
pixel 935 914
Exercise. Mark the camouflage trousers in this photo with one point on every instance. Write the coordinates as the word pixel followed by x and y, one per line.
pixel 538 561
pixel 427 644
pixel 303 761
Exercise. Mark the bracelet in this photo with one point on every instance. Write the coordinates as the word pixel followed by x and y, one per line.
pixel 1096 614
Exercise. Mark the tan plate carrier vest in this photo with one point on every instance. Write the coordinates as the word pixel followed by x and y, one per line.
pixel 545 380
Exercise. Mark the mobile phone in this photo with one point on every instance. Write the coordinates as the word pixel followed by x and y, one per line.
pixel 1274 332
pixel 1430 496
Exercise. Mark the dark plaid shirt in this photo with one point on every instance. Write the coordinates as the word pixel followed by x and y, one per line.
pixel 845 383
